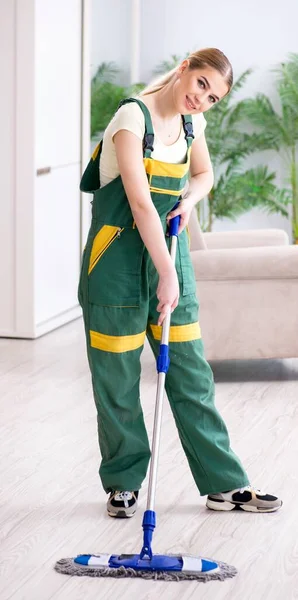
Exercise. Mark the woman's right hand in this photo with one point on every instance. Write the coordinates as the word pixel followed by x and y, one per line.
pixel 167 293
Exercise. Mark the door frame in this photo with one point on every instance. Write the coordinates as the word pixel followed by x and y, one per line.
pixel 85 114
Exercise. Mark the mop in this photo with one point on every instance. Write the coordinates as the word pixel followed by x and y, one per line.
pixel 146 564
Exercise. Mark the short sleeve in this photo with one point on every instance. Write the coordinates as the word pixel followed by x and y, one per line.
pixel 130 117
pixel 199 124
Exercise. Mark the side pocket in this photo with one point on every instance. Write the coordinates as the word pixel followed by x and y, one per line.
pixel 185 267
pixel 114 267
pixel 103 239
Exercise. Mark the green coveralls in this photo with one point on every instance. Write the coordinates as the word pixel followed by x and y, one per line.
pixel 117 292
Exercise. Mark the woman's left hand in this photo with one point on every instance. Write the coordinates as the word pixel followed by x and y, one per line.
pixel 184 210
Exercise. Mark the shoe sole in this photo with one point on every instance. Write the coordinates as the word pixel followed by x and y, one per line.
pixel 121 514
pixel 229 506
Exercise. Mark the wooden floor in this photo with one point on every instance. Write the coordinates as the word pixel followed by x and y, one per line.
pixel 52 505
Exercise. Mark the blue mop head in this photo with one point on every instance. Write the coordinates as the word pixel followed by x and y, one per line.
pixel 167 567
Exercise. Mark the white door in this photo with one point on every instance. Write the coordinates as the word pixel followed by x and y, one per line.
pixel 57 243
pixel 58 43
pixel 7 164
pixel 58 35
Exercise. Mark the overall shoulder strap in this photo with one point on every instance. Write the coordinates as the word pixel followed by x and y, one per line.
pixel 90 178
pixel 188 129
pixel 90 181
pixel 148 140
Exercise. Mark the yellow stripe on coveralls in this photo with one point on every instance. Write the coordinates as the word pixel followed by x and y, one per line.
pixel 164 169
pixel 116 343
pixel 161 191
pixel 179 333
pixel 96 151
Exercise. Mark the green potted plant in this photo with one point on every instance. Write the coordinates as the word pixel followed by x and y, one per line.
pixel 237 189
pixel 280 128
pixel 106 95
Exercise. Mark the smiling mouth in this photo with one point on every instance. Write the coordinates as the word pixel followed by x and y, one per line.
pixel 190 105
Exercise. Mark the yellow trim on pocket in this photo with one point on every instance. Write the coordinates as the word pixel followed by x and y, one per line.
pixel 161 191
pixel 103 239
pixel 179 333
pixel 164 169
pixel 116 343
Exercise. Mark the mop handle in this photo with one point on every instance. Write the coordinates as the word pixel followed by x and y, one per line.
pixel 162 368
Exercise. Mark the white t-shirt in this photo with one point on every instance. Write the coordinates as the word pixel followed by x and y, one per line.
pixel 130 117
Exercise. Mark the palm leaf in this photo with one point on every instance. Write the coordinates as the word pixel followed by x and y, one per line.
pixel 239 83
pixel 168 65
pixel 237 193
pixel 287 82
pixel 106 71
pixel 105 98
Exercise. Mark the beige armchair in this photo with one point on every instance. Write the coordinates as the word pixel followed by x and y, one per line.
pixel 247 284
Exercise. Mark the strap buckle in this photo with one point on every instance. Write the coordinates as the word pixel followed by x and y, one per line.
pixel 188 128
pixel 148 141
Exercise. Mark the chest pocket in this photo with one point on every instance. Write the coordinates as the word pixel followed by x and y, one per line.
pixel 115 264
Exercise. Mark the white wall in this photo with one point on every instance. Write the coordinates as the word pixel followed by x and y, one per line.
pixel 110 33
pixel 7 161
pixel 256 34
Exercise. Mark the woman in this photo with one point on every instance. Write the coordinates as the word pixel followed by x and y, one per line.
pixel 128 284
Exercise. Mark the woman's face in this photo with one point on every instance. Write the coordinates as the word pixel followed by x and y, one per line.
pixel 197 90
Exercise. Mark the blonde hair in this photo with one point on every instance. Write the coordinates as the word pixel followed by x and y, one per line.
pixel 211 57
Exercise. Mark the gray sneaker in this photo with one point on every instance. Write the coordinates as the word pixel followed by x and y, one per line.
pixel 122 504
pixel 248 498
